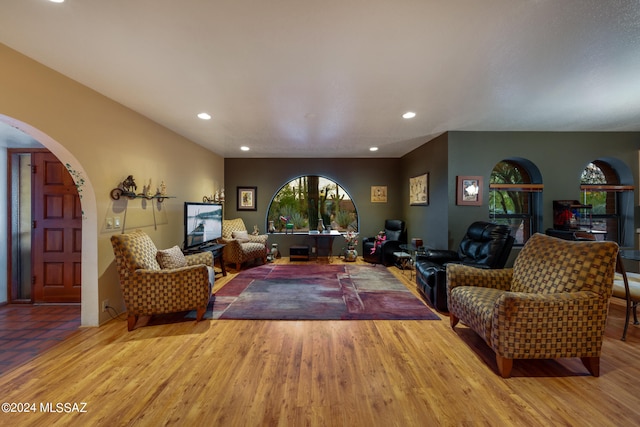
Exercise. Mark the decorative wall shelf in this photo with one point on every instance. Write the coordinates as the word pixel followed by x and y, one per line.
pixel 127 189
pixel 116 193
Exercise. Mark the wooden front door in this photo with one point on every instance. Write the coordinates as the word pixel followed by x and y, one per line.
pixel 56 247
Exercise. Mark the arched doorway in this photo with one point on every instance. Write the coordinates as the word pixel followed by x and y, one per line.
pixel 89 274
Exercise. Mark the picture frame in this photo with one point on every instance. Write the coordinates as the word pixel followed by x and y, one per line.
pixel 469 190
pixel 378 194
pixel 419 190
pixel 247 198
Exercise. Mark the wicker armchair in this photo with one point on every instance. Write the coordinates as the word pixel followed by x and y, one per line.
pixel 553 303
pixel 148 289
pixel 240 245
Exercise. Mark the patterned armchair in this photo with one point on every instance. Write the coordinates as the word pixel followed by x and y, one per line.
pixel 240 245
pixel 184 284
pixel 553 303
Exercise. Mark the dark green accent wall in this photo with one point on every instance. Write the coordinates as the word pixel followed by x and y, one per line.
pixel 560 157
pixel 356 176
pixel 430 222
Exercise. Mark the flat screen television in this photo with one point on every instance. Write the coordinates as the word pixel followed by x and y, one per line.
pixel 202 224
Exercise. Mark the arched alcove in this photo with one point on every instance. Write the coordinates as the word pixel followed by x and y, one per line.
pixel 606 184
pixel 89 301
pixel 515 197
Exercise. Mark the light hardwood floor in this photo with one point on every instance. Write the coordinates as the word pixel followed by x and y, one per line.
pixel 324 373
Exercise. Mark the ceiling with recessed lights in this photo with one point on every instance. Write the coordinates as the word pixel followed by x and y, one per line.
pixel 292 78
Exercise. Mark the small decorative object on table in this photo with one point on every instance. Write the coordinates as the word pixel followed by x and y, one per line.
pixel 351 238
pixel 274 252
pixel 320 225
pixel 272 228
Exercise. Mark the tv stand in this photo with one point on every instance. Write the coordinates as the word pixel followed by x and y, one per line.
pixel 216 251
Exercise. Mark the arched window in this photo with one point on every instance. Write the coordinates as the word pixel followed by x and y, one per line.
pixel 303 200
pixel 601 189
pixel 514 197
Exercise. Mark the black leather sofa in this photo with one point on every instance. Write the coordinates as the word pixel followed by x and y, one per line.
pixel 485 245
pixel 396 234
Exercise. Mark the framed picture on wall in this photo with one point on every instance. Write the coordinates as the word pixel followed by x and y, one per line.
pixel 469 190
pixel 378 194
pixel 419 190
pixel 247 199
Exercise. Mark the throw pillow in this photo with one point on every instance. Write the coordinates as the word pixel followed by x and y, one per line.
pixel 171 258
pixel 241 236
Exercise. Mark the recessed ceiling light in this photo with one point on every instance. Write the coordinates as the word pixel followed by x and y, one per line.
pixel 373 149
pixel 244 148
pixel 409 115
pixel 204 116
pixel 56 1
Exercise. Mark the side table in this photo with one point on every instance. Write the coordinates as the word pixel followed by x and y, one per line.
pixel 407 257
pixel 404 260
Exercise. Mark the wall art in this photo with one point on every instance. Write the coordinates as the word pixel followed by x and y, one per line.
pixel 419 190
pixel 469 190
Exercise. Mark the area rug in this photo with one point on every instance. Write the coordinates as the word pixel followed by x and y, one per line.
pixel 317 292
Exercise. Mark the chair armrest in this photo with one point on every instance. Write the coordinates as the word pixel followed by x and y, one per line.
pixel 516 304
pixel 562 315
pixel 464 275
pixel 440 256
pixel 368 240
pixel 262 238
pixel 205 258
pixel 230 243
pixel 391 245
pixel 471 264
pixel 176 275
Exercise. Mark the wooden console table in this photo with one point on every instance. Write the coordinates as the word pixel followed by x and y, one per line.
pixel 325 237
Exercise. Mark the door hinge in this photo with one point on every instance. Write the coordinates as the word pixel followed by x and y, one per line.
pixel 33 224
pixel 33 280
pixel 34 169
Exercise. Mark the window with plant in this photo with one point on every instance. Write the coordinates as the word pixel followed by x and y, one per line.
pixel 306 199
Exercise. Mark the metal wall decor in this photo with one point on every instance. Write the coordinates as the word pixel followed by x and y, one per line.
pixel 128 188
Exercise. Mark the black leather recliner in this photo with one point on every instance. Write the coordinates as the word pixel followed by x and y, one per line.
pixel 485 245
pixel 396 234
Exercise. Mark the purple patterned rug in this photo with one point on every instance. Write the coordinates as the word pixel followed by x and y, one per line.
pixel 317 292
